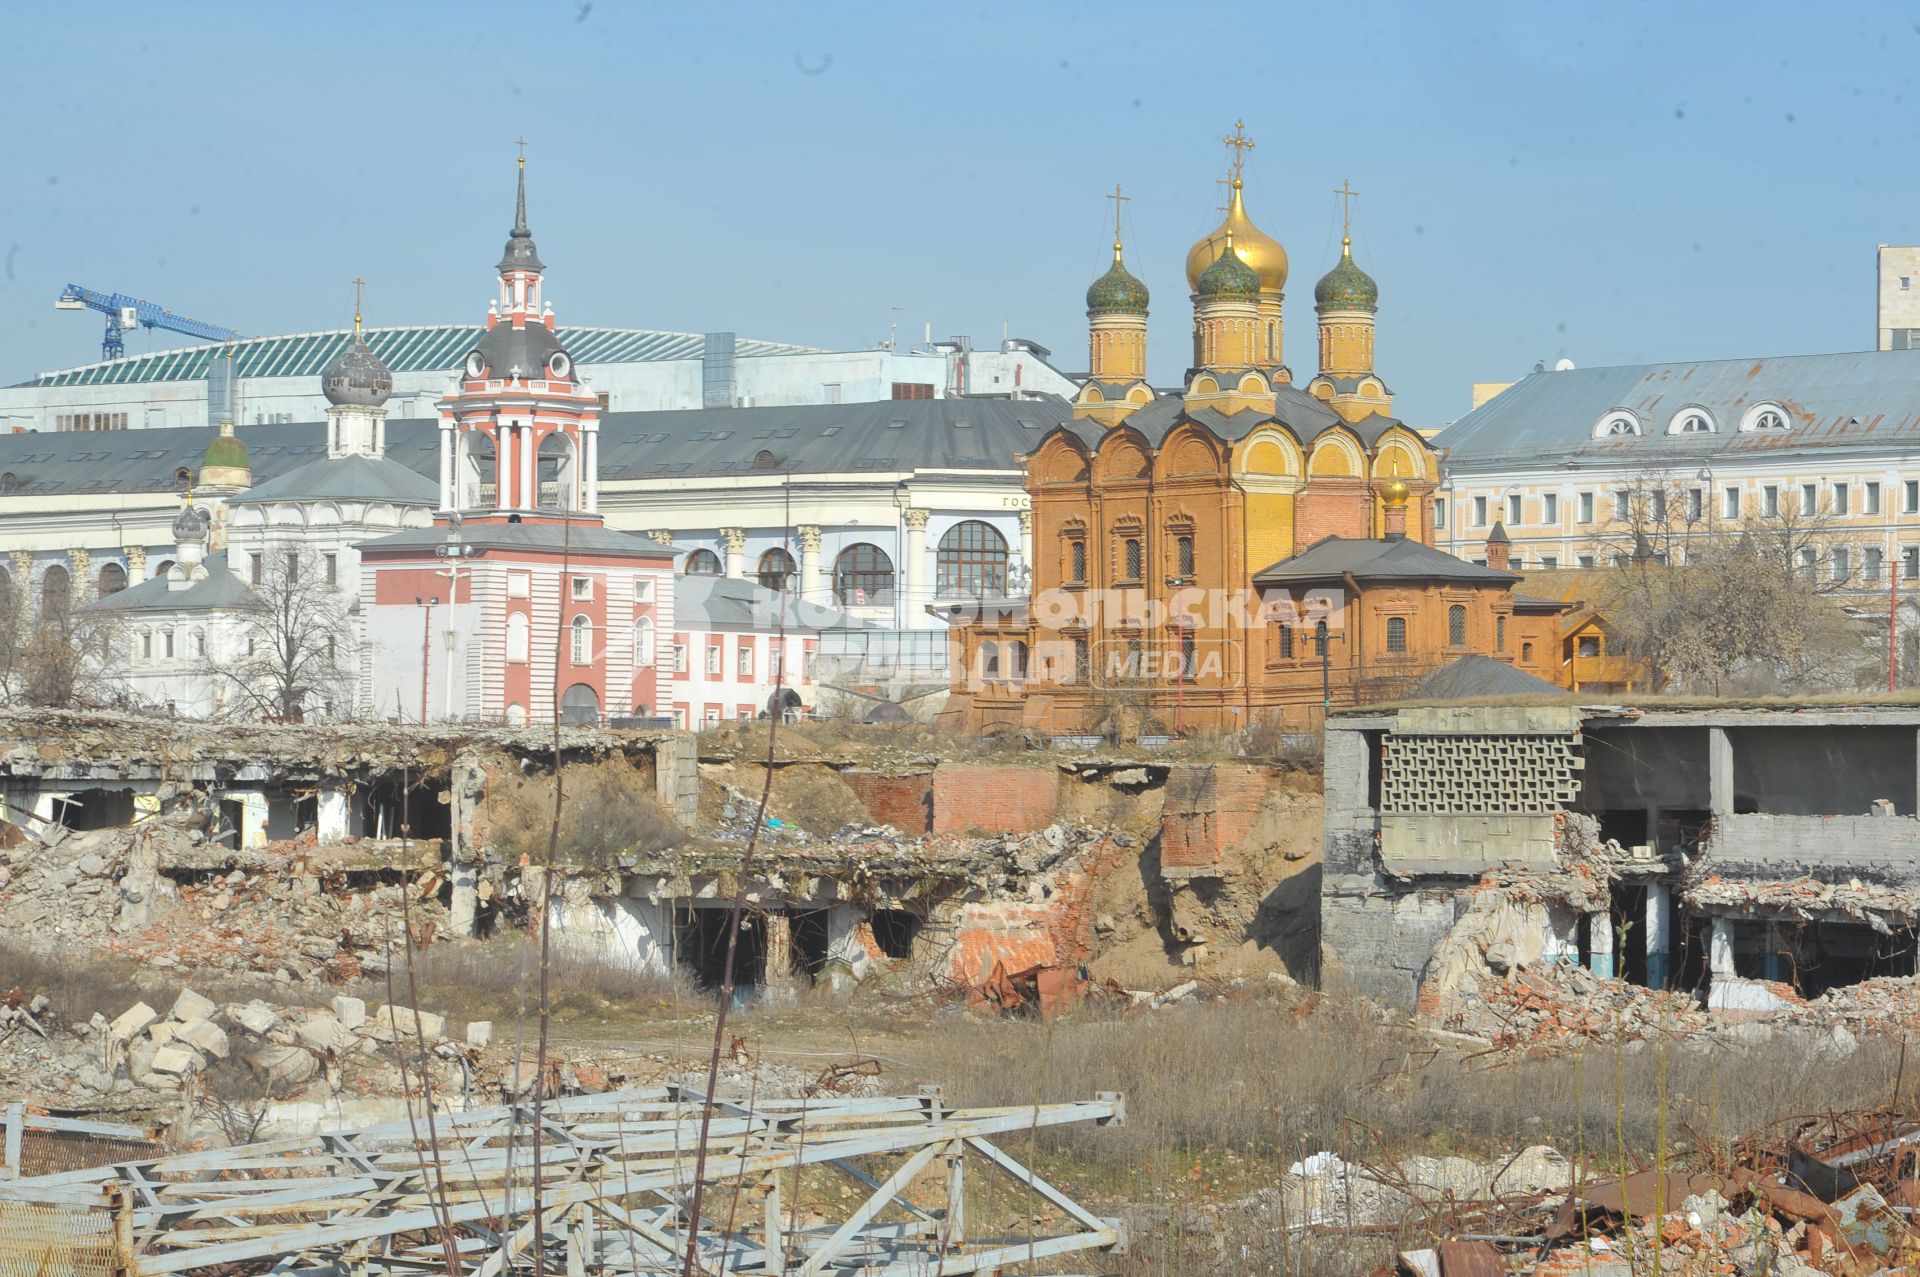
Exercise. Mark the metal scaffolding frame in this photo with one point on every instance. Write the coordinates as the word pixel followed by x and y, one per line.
pixel 617 1172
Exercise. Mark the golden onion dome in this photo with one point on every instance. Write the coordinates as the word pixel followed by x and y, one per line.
pixel 1250 244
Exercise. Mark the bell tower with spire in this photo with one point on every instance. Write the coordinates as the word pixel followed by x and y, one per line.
pixel 520 430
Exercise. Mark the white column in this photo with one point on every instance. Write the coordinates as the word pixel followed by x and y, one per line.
pixel 331 822
pixel 1600 943
pixel 914 570
pixel 1720 949
pixel 593 471
pixel 503 470
pixel 810 563
pixel 529 494
pixel 448 500
pixel 253 819
pixel 736 539
pixel 1659 934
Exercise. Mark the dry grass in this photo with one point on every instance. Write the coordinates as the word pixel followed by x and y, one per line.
pixel 814 798
pixel 609 813
pixel 79 985
pixel 500 978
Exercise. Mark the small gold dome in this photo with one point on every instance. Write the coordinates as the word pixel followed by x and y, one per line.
pixel 1395 492
pixel 1252 246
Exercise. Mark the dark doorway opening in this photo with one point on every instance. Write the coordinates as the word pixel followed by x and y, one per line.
pixel 810 938
pixel 894 931
pixel 701 941
pixel 94 809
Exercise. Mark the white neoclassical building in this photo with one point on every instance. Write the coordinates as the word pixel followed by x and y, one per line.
pixel 1829 439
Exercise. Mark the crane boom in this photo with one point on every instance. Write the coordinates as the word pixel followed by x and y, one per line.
pixel 124 312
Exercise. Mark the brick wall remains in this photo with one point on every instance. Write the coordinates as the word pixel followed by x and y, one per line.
pixel 904 801
pixel 1056 932
pixel 995 800
pixel 1207 810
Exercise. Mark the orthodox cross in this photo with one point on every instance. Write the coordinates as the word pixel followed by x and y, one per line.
pixel 1241 144
pixel 358 284
pixel 1346 193
pixel 1118 199
pixel 521 142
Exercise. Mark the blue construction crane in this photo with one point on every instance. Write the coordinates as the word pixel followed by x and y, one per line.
pixel 124 312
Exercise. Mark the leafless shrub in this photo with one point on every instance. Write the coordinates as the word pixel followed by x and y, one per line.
pixel 610 814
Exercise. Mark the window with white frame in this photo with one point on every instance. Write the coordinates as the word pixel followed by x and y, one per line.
pixel 1870 498
pixel 643 589
pixel 1870 563
pixel 1695 502
pixel 1586 507
pixel 519 585
pixel 166 644
pixel 1549 561
pixel 1440 513
pixel 582 588
pixel 1764 416
pixel 1842 499
pixel 518 637
pixel 146 645
pixel 643 642
pixel 743 659
pixel 1616 424
pixel 1479 512
pixel 679 658
pixel 1550 508
pixel 1623 504
pixel 582 630
pixel 1691 421
pixel 1842 560
pixel 1910 496
pixel 1910 562
pixel 714 660
pixel 1515 504
pixel 1730 504
pixel 1770 501
pixel 1809 498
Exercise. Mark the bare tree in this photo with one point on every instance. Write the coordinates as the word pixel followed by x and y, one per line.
pixel 55 656
pixel 1742 605
pixel 288 651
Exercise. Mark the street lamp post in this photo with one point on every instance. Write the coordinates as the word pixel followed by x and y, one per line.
pixel 1320 636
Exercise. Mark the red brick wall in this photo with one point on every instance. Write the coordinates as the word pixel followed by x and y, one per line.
pixel 998 800
pixel 1329 507
pixel 1055 933
pixel 903 801
pixel 1207 810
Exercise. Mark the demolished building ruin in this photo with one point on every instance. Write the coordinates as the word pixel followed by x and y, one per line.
pixel 1751 860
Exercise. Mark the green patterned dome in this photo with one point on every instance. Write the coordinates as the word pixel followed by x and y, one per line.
pixel 227 451
pixel 1117 291
pixel 1229 277
pixel 1346 286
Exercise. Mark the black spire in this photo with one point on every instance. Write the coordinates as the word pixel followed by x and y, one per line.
pixel 521 254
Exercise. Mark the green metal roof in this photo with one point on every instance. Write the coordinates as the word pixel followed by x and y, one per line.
pixel 417 348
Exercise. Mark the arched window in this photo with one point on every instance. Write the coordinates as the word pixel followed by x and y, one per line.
pixel 56 592
pixel 1396 634
pixel 182 478
pixel 971 560
pixel 559 485
pixel 518 635
pixel 160 573
pixel 643 642
pixel 113 579
pixel 1284 640
pixel 702 563
pixel 776 569
pixel 582 641
pixel 1616 423
pixel 1457 625
pixel 1499 633
pixel 1183 554
pixel 516 715
pixel 580 706
pixel 862 576
pixel 1691 421
pixel 989 660
pixel 1132 563
pixel 1526 653
pixel 1077 562
pixel 1016 660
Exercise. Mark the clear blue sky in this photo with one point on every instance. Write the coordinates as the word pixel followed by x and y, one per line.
pixel 1613 183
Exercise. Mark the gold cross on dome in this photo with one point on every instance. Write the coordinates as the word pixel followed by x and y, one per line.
pixel 521 142
pixel 1346 193
pixel 1118 199
pixel 358 284
pixel 1241 144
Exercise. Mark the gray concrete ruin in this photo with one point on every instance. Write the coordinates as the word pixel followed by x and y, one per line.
pixel 1747 854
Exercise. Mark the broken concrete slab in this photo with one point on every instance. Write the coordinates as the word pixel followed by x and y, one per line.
pixel 205 1037
pixel 134 1021
pixel 350 1012
pixel 190 1006
pixel 177 1061
pixel 406 1021
pixel 255 1017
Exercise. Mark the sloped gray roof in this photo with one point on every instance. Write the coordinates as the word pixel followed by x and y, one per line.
pixel 1332 558
pixel 1477 676
pixel 1298 411
pixel 729 603
pixel 1860 401
pixel 354 478
pixel 220 588
pixel 586 536
pixel 893 435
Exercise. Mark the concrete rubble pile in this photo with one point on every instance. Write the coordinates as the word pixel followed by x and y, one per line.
pixel 1834 1195
pixel 1494 977
pixel 157 892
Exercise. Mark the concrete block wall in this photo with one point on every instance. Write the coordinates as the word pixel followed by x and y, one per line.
pixel 904 801
pixel 1378 945
pixel 1879 849
pixel 994 800
pixel 1207 809
pixel 1464 844
pixel 676 776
